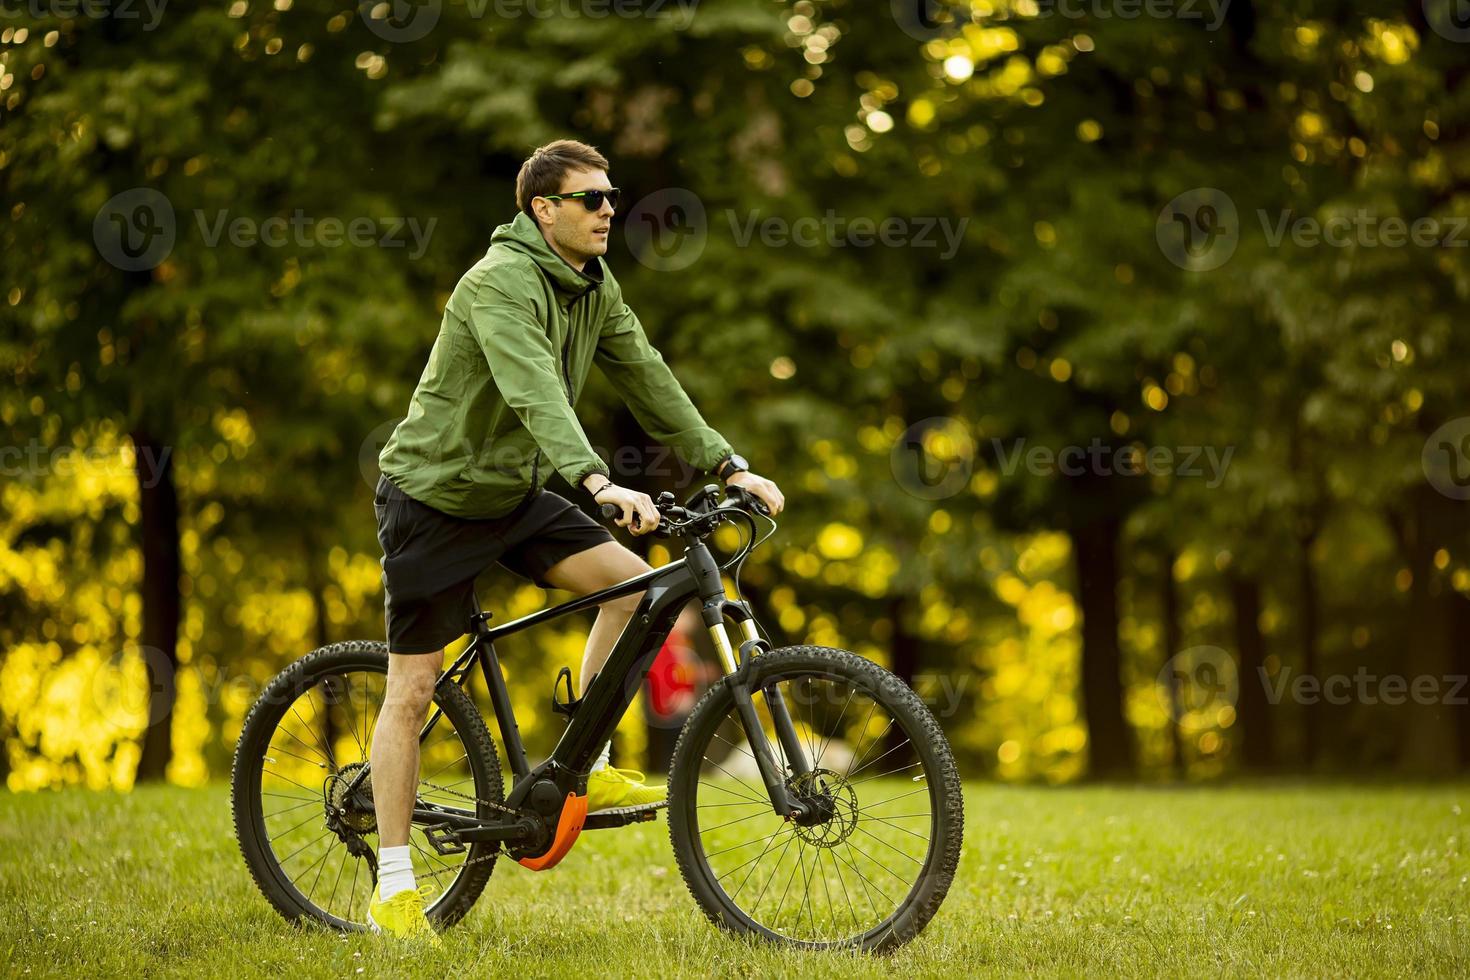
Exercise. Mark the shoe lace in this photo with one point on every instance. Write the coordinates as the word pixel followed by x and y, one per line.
pixel 625 775
pixel 423 893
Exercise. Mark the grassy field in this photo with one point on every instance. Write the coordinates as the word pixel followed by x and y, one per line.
pixel 1270 879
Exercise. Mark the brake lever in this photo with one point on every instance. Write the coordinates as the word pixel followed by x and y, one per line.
pixel 743 495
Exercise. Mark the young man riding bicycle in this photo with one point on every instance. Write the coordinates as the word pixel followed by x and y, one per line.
pixel 492 414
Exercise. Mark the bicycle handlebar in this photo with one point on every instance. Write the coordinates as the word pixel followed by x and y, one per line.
pixel 737 498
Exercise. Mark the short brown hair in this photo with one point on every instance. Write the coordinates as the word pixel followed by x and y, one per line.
pixel 544 169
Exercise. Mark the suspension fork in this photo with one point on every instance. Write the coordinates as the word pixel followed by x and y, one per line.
pixel 775 702
pixel 737 672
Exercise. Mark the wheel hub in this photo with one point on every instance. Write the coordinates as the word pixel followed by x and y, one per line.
pixel 351 812
pixel 830 807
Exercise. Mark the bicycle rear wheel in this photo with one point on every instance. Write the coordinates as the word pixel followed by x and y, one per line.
pixel 873 867
pixel 305 839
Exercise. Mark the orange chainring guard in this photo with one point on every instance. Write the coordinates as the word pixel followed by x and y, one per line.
pixel 573 815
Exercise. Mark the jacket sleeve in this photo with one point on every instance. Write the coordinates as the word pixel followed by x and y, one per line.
pixel 528 372
pixel 645 383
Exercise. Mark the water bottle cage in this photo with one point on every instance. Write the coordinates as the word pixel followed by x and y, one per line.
pixel 570 705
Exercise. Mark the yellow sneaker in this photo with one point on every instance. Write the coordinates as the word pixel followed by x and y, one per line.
pixel 620 789
pixel 403 915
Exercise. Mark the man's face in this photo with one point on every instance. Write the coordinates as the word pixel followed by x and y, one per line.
pixel 579 234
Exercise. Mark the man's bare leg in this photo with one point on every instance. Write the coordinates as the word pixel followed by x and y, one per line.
pixel 395 749
pixel 596 568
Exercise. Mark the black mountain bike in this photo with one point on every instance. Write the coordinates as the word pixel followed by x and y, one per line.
pixel 813 799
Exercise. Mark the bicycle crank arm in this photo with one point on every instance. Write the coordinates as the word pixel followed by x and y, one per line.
pixel 468 827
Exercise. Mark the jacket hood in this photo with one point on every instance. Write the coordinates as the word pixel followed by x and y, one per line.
pixel 522 235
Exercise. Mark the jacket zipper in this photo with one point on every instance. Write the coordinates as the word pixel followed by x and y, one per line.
pixel 566 374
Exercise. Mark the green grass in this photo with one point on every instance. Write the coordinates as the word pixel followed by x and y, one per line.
pixel 1266 879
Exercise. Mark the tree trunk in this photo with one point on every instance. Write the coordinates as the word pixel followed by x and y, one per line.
pixel 1253 710
pixel 1095 551
pixel 1308 603
pixel 1460 699
pixel 159 509
pixel 905 645
pixel 1169 610
pixel 1428 740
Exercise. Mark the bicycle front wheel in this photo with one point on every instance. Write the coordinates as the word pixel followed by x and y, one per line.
pixel 308 841
pixel 872 867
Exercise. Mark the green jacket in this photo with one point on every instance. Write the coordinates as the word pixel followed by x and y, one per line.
pixel 493 410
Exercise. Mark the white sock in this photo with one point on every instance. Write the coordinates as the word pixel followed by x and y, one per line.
pixel 602 760
pixel 395 871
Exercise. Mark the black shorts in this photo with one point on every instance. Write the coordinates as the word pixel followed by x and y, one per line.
pixel 431 559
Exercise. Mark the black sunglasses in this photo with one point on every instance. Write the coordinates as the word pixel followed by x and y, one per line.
pixel 591 200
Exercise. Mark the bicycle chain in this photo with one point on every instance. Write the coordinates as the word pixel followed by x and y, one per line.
pixel 498 845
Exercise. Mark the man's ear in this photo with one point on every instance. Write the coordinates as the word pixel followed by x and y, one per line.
pixel 543 210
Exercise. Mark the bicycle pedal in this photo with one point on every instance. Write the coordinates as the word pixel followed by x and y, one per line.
pixel 444 839
pixel 624 815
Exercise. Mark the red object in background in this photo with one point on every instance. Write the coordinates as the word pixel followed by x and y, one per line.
pixel 672 680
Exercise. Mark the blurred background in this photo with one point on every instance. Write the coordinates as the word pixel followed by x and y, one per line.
pixel 1111 354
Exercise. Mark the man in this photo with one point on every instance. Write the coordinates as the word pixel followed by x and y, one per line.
pixel 491 416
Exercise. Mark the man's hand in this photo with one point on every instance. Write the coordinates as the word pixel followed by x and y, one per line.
pixel 630 502
pixel 764 490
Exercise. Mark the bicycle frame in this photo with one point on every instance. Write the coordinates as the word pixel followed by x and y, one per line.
pixel 555 790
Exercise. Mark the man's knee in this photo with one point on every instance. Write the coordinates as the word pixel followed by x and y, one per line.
pixel 411 678
pixel 628 567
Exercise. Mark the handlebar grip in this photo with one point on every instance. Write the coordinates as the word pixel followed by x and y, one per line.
pixel 613 512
